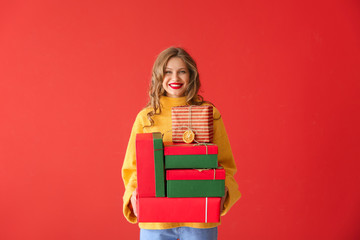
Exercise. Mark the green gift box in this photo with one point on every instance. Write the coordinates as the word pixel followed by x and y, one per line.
pixel 191 161
pixel 190 155
pixel 159 164
pixel 195 182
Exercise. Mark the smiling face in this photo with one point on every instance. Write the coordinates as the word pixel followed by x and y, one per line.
pixel 176 78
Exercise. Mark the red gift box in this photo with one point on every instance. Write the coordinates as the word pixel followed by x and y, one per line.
pixel 150 165
pixel 198 119
pixel 179 209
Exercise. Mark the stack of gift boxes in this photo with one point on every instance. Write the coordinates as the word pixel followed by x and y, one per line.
pixel 177 181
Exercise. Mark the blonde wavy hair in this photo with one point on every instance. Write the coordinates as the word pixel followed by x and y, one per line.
pixel 156 89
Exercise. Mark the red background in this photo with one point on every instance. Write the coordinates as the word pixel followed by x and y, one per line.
pixel 284 74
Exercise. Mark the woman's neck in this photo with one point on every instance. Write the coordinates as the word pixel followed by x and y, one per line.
pixel 169 102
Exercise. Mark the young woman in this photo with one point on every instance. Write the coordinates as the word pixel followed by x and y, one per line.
pixel 175 82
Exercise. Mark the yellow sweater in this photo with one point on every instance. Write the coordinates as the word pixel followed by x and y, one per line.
pixel 162 123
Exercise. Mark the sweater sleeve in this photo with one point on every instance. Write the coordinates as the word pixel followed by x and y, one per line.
pixel 226 160
pixel 129 171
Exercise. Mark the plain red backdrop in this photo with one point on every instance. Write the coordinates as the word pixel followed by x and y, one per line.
pixel 284 74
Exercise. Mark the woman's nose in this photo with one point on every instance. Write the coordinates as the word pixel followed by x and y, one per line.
pixel 175 76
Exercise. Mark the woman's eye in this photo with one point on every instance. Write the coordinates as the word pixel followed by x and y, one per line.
pixel 167 72
pixel 183 71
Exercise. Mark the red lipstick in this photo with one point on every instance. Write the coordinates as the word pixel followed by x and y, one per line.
pixel 175 85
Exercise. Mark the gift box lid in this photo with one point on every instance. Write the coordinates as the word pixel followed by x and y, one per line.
pixel 196 174
pixel 171 148
pixel 159 209
pixel 194 108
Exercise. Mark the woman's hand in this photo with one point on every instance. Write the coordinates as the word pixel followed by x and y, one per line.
pixel 223 199
pixel 133 202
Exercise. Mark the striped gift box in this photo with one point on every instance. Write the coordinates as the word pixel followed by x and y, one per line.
pixel 199 119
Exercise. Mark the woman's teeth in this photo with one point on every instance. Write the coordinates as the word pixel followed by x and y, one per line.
pixel 175 85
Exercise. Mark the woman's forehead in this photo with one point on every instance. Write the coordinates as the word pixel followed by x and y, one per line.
pixel 175 63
